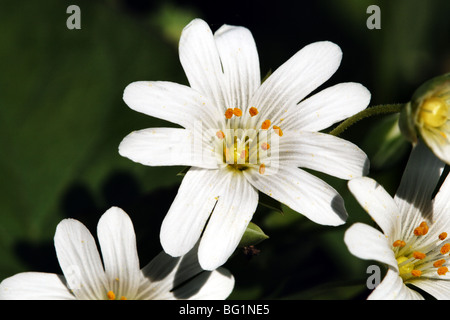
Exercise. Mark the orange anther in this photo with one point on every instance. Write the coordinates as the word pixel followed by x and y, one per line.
pixel 442 271
pixel 424 225
pixel 262 168
pixel 253 111
pixel 438 263
pixel 244 154
pixel 443 235
pixel 445 248
pixel 111 295
pixel 237 112
pixel 399 243
pixel 265 146
pixel 422 229
pixel 419 255
pixel 416 273
pixel 265 125
pixel 229 113
pixel 220 134
pixel 278 131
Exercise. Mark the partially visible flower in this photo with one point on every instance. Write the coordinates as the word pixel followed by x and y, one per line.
pixel 241 137
pixel 414 239
pixel 428 115
pixel 85 278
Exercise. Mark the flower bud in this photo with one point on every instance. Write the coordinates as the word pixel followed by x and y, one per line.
pixel 427 115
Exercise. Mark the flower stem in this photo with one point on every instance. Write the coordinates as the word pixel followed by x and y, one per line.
pixel 366 113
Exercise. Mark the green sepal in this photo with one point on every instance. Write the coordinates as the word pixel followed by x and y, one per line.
pixel 252 236
pixel 406 123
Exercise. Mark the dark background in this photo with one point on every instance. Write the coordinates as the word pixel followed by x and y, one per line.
pixel 62 118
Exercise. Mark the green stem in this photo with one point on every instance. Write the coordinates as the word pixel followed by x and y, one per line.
pixel 366 113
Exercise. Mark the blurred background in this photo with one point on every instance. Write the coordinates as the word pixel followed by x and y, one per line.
pixel 62 118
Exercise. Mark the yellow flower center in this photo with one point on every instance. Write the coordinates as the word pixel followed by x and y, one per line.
pixel 414 259
pixel 433 112
pixel 243 144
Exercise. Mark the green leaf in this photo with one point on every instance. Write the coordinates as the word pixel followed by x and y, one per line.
pixel 252 236
pixel 62 117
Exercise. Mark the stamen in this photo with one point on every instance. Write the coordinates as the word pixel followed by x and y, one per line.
pixel 399 243
pixel 278 131
pixel 244 154
pixel 422 229
pixel 416 273
pixel 229 113
pixel 445 248
pixel 253 111
pixel 443 235
pixel 237 112
pixel 419 255
pixel 265 125
pixel 442 271
pixel 220 134
pixel 111 295
pixel 433 112
pixel 262 168
pixel 438 263
pixel 265 146
pixel 123 298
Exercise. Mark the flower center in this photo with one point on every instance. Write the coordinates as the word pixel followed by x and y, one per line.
pixel 242 144
pixel 416 259
pixel 433 112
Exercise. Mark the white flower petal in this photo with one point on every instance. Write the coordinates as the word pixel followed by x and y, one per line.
pixel 240 63
pixel 208 285
pixel 378 204
pixel 167 147
pixel 368 243
pixel 226 226
pixel 417 185
pixel 184 274
pixel 392 288
pixel 187 216
pixel 327 107
pixel 440 289
pixel 323 152
pixel 80 260
pixel 302 192
pixel 170 101
pixel 441 206
pixel 295 79
pixel 118 245
pixel 201 62
pixel 438 140
pixel 35 286
pixel 157 279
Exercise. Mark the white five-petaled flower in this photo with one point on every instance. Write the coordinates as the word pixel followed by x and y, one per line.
pixel 413 240
pixel 241 136
pixel 85 277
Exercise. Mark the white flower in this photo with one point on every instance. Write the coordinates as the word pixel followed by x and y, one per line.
pixel 240 137
pixel 413 240
pixel 85 278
